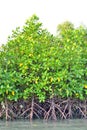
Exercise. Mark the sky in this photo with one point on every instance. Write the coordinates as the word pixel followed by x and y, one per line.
pixel 13 13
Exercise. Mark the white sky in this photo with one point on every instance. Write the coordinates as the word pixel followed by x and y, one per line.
pixel 13 13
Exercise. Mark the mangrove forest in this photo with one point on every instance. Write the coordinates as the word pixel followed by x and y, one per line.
pixel 43 75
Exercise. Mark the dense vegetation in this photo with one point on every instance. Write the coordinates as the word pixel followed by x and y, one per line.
pixel 42 75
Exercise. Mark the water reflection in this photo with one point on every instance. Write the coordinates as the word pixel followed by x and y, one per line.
pixel 43 125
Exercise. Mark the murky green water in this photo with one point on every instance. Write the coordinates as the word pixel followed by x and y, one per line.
pixel 43 125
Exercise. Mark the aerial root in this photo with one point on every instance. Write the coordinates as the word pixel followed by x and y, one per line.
pixel 53 109
pixel 52 112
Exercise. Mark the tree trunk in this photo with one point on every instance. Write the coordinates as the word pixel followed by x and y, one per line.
pixel 6 109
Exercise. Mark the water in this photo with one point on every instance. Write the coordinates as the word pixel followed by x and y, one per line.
pixel 43 125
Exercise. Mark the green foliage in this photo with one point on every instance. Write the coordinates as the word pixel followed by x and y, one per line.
pixel 35 63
